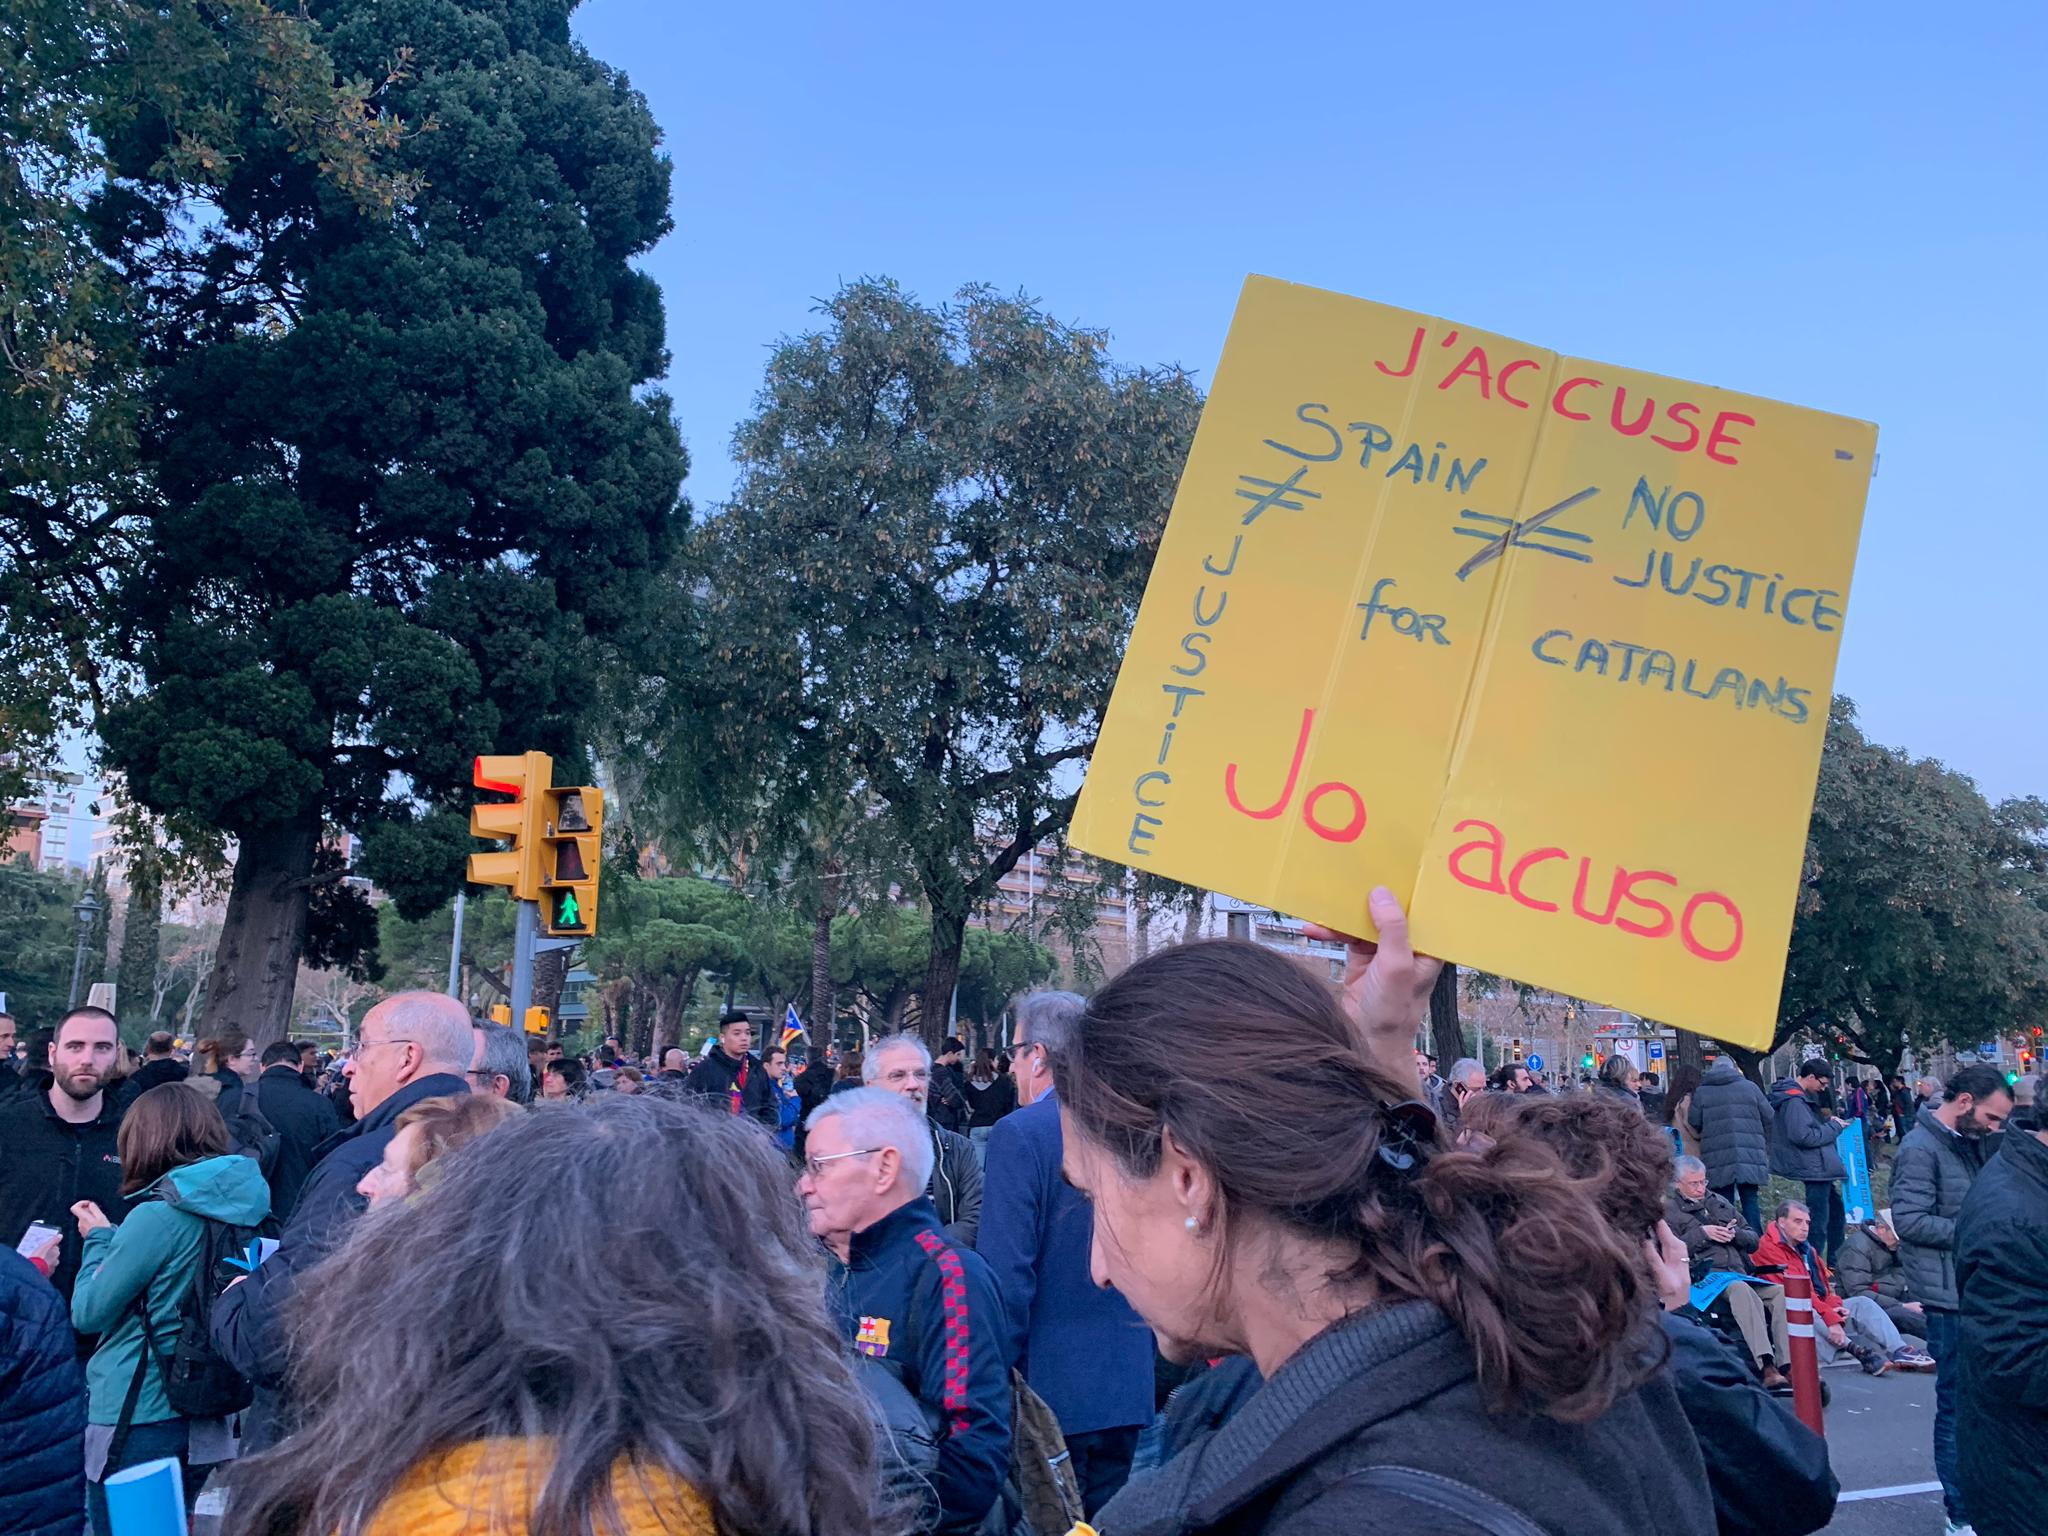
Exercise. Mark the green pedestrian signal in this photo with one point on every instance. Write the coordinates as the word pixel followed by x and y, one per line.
pixel 568 912
pixel 571 828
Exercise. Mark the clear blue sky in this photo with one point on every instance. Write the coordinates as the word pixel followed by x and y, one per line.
pixel 1840 207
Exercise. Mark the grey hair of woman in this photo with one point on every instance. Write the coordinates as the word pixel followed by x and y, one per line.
pixel 629 1277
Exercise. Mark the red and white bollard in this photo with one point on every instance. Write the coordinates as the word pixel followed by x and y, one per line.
pixel 1805 1357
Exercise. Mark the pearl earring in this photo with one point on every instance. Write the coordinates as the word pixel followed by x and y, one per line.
pixel 1191 1224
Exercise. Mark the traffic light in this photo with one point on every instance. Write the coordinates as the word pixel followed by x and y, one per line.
pixel 571 834
pixel 536 1021
pixel 501 1013
pixel 1515 1046
pixel 1588 1062
pixel 524 776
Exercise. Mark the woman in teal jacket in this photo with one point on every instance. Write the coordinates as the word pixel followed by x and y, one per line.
pixel 175 1163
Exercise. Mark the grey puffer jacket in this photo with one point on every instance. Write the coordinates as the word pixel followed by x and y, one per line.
pixel 1733 1122
pixel 1933 1170
pixel 1865 1267
pixel 1802 1140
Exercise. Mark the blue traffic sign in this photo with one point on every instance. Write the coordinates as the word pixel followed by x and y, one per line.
pixel 1656 1050
pixel 1535 1063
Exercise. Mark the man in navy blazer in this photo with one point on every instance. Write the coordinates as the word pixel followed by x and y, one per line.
pixel 1082 1347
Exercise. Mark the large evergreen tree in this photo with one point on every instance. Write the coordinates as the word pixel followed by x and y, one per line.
pixel 921 591
pixel 409 478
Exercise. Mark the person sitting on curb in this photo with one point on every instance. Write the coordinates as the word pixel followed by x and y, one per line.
pixel 1854 1326
pixel 1870 1267
pixel 1718 1243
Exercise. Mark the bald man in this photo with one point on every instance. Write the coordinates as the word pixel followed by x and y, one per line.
pixel 413 1046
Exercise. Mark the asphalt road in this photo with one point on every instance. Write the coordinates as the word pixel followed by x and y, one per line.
pixel 1880 1437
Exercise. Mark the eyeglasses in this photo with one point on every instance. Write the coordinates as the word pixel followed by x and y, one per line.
pixel 816 1164
pixel 364 1045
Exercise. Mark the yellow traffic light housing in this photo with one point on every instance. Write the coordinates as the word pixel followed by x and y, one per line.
pixel 536 1021
pixel 571 837
pixel 501 1013
pixel 524 776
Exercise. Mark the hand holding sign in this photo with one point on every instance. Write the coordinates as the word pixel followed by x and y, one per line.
pixel 1386 984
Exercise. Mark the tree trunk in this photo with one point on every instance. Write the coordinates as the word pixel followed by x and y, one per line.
pixel 139 948
pixel 263 936
pixel 1751 1063
pixel 1447 1035
pixel 1691 1052
pixel 942 975
pixel 550 971
pixel 822 1009
pixel 1191 930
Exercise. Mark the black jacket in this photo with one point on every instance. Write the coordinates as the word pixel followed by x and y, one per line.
pixel 946 1098
pixel 955 1187
pixel 249 1323
pixel 304 1119
pixel 1733 1122
pixel 48 1165
pixel 153 1073
pixel 42 1408
pixel 1394 1387
pixel 912 1299
pixel 713 1076
pixel 988 1105
pixel 1931 1172
pixel 1769 1473
pixel 2001 1256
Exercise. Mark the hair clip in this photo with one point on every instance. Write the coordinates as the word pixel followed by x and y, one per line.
pixel 1407 1131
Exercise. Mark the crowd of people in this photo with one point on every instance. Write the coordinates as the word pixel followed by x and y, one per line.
pixel 1208 1251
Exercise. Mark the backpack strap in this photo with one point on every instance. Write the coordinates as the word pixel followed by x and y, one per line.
pixel 1446 1496
pixel 143 1357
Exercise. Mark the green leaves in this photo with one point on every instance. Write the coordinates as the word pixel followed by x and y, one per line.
pixel 1921 914
pixel 921 591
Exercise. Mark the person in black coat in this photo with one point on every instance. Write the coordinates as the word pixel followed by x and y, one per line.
pixel 58 1142
pixel 1732 1119
pixel 42 1407
pixel 813 1087
pixel 413 1046
pixel 158 1066
pixel 730 1074
pixel 303 1120
pixel 2001 1259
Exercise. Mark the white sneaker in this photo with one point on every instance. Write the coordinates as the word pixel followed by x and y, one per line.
pixel 1952 1529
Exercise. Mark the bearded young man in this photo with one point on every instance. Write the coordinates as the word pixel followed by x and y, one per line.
pixel 57 1141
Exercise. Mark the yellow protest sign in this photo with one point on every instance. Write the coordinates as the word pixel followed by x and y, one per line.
pixel 1545 645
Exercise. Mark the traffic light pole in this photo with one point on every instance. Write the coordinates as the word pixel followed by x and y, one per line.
pixel 523 935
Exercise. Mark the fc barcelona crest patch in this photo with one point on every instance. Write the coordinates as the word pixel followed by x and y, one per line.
pixel 873 1338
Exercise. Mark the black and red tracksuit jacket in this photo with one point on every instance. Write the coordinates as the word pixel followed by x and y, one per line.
pixel 908 1296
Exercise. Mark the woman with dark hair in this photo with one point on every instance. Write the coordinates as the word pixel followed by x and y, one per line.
pixel 1678 1108
pixel 849 1073
pixel 176 1165
pixel 1265 1184
pixel 991 1094
pixel 448 1389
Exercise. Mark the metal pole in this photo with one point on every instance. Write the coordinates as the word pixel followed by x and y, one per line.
pixel 78 965
pixel 1238 925
pixel 455 951
pixel 522 960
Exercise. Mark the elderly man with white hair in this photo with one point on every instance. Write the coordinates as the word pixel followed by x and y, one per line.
pixel 414 1046
pixel 903 1064
pixel 905 1295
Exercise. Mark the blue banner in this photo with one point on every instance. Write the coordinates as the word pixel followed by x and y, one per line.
pixel 1856 1196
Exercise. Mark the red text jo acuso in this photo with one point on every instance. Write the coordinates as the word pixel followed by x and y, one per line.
pixel 1707 923
pixel 1681 418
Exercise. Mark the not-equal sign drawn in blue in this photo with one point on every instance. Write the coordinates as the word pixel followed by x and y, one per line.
pixel 1531 534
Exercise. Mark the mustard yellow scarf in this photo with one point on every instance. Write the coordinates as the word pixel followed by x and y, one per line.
pixel 487 1488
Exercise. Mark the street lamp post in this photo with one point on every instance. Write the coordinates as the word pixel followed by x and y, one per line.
pixel 88 911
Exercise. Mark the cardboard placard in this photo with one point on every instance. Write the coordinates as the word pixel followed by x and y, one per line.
pixel 1545 645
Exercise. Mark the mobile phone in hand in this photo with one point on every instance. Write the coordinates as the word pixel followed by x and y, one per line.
pixel 35 1239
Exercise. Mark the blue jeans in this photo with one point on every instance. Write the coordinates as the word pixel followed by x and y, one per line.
pixel 1824 1203
pixel 1744 1195
pixel 1944 1344
pixel 146 1442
